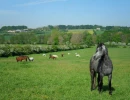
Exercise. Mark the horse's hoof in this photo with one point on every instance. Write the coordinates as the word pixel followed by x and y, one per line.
pixel 99 92
pixel 110 93
pixel 93 89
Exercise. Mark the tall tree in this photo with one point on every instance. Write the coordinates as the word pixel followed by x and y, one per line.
pixel 54 38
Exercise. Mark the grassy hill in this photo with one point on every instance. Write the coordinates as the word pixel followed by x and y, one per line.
pixel 91 31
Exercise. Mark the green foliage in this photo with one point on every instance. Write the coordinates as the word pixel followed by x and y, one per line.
pixel 4 51
pixel 13 50
pixel 89 40
pixel 112 44
pixel 23 38
pixel 2 39
pixel 79 26
pixel 5 28
pixel 54 48
pixel 59 35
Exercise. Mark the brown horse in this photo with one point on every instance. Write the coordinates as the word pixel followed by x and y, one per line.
pixel 20 58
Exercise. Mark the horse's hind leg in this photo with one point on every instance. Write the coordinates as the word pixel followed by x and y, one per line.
pixel 109 84
pixel 98 80
pixel 94 85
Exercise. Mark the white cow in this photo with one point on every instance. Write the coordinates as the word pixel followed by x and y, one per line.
pixel 77 55
pixel 56 56
pixel 44 55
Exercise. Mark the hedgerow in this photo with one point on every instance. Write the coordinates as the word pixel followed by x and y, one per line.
pixel 7 50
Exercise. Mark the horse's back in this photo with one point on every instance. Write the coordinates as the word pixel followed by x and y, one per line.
pixel 20 58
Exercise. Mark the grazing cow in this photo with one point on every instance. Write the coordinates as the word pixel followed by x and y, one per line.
pixel 101 63
pixel 53 56
pixel 44 55
pixel 77 55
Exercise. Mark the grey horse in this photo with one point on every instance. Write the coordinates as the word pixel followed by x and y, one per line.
pixel 101 63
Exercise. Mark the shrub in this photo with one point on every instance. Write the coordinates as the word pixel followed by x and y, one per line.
pixel 111 44
pixel 14 50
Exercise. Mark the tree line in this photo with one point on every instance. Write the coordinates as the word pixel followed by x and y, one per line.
pixel 6 28
pixel 65 27
pixel 58 37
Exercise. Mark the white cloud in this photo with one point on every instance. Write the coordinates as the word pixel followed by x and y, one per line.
pixel 38 2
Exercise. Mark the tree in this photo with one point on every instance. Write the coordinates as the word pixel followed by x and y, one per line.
pixel 5 28
pixel 24 38
pixel 54 38
pixel 89 41
pixel 77 39
pixel 50 27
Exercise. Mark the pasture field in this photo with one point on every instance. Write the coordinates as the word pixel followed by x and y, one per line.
pixel 66 78
pixel 77 31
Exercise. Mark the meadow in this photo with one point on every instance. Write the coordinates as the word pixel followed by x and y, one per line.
pixel 77 31
pixel 66 78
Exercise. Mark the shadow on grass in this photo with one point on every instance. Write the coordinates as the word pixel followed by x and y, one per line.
pixel 25 64
pixel 106 88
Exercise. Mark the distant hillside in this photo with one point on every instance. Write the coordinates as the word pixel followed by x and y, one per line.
pixel 91 31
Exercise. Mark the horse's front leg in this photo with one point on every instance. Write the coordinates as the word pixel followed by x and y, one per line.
pixel 94 85
pixel 109 84
pixel 100 82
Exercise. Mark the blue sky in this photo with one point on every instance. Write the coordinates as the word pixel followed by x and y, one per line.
pixel 39 13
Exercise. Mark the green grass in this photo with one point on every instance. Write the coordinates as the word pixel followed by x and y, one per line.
pixel 66 78
pixel 77 31
pixel 98 32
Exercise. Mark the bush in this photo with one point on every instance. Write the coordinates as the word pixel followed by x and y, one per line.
pixel 111 44
pixel 5 51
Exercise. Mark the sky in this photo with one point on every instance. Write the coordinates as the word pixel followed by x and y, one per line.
pixel 39 13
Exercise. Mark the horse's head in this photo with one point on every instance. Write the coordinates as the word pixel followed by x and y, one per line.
pixel 101 50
